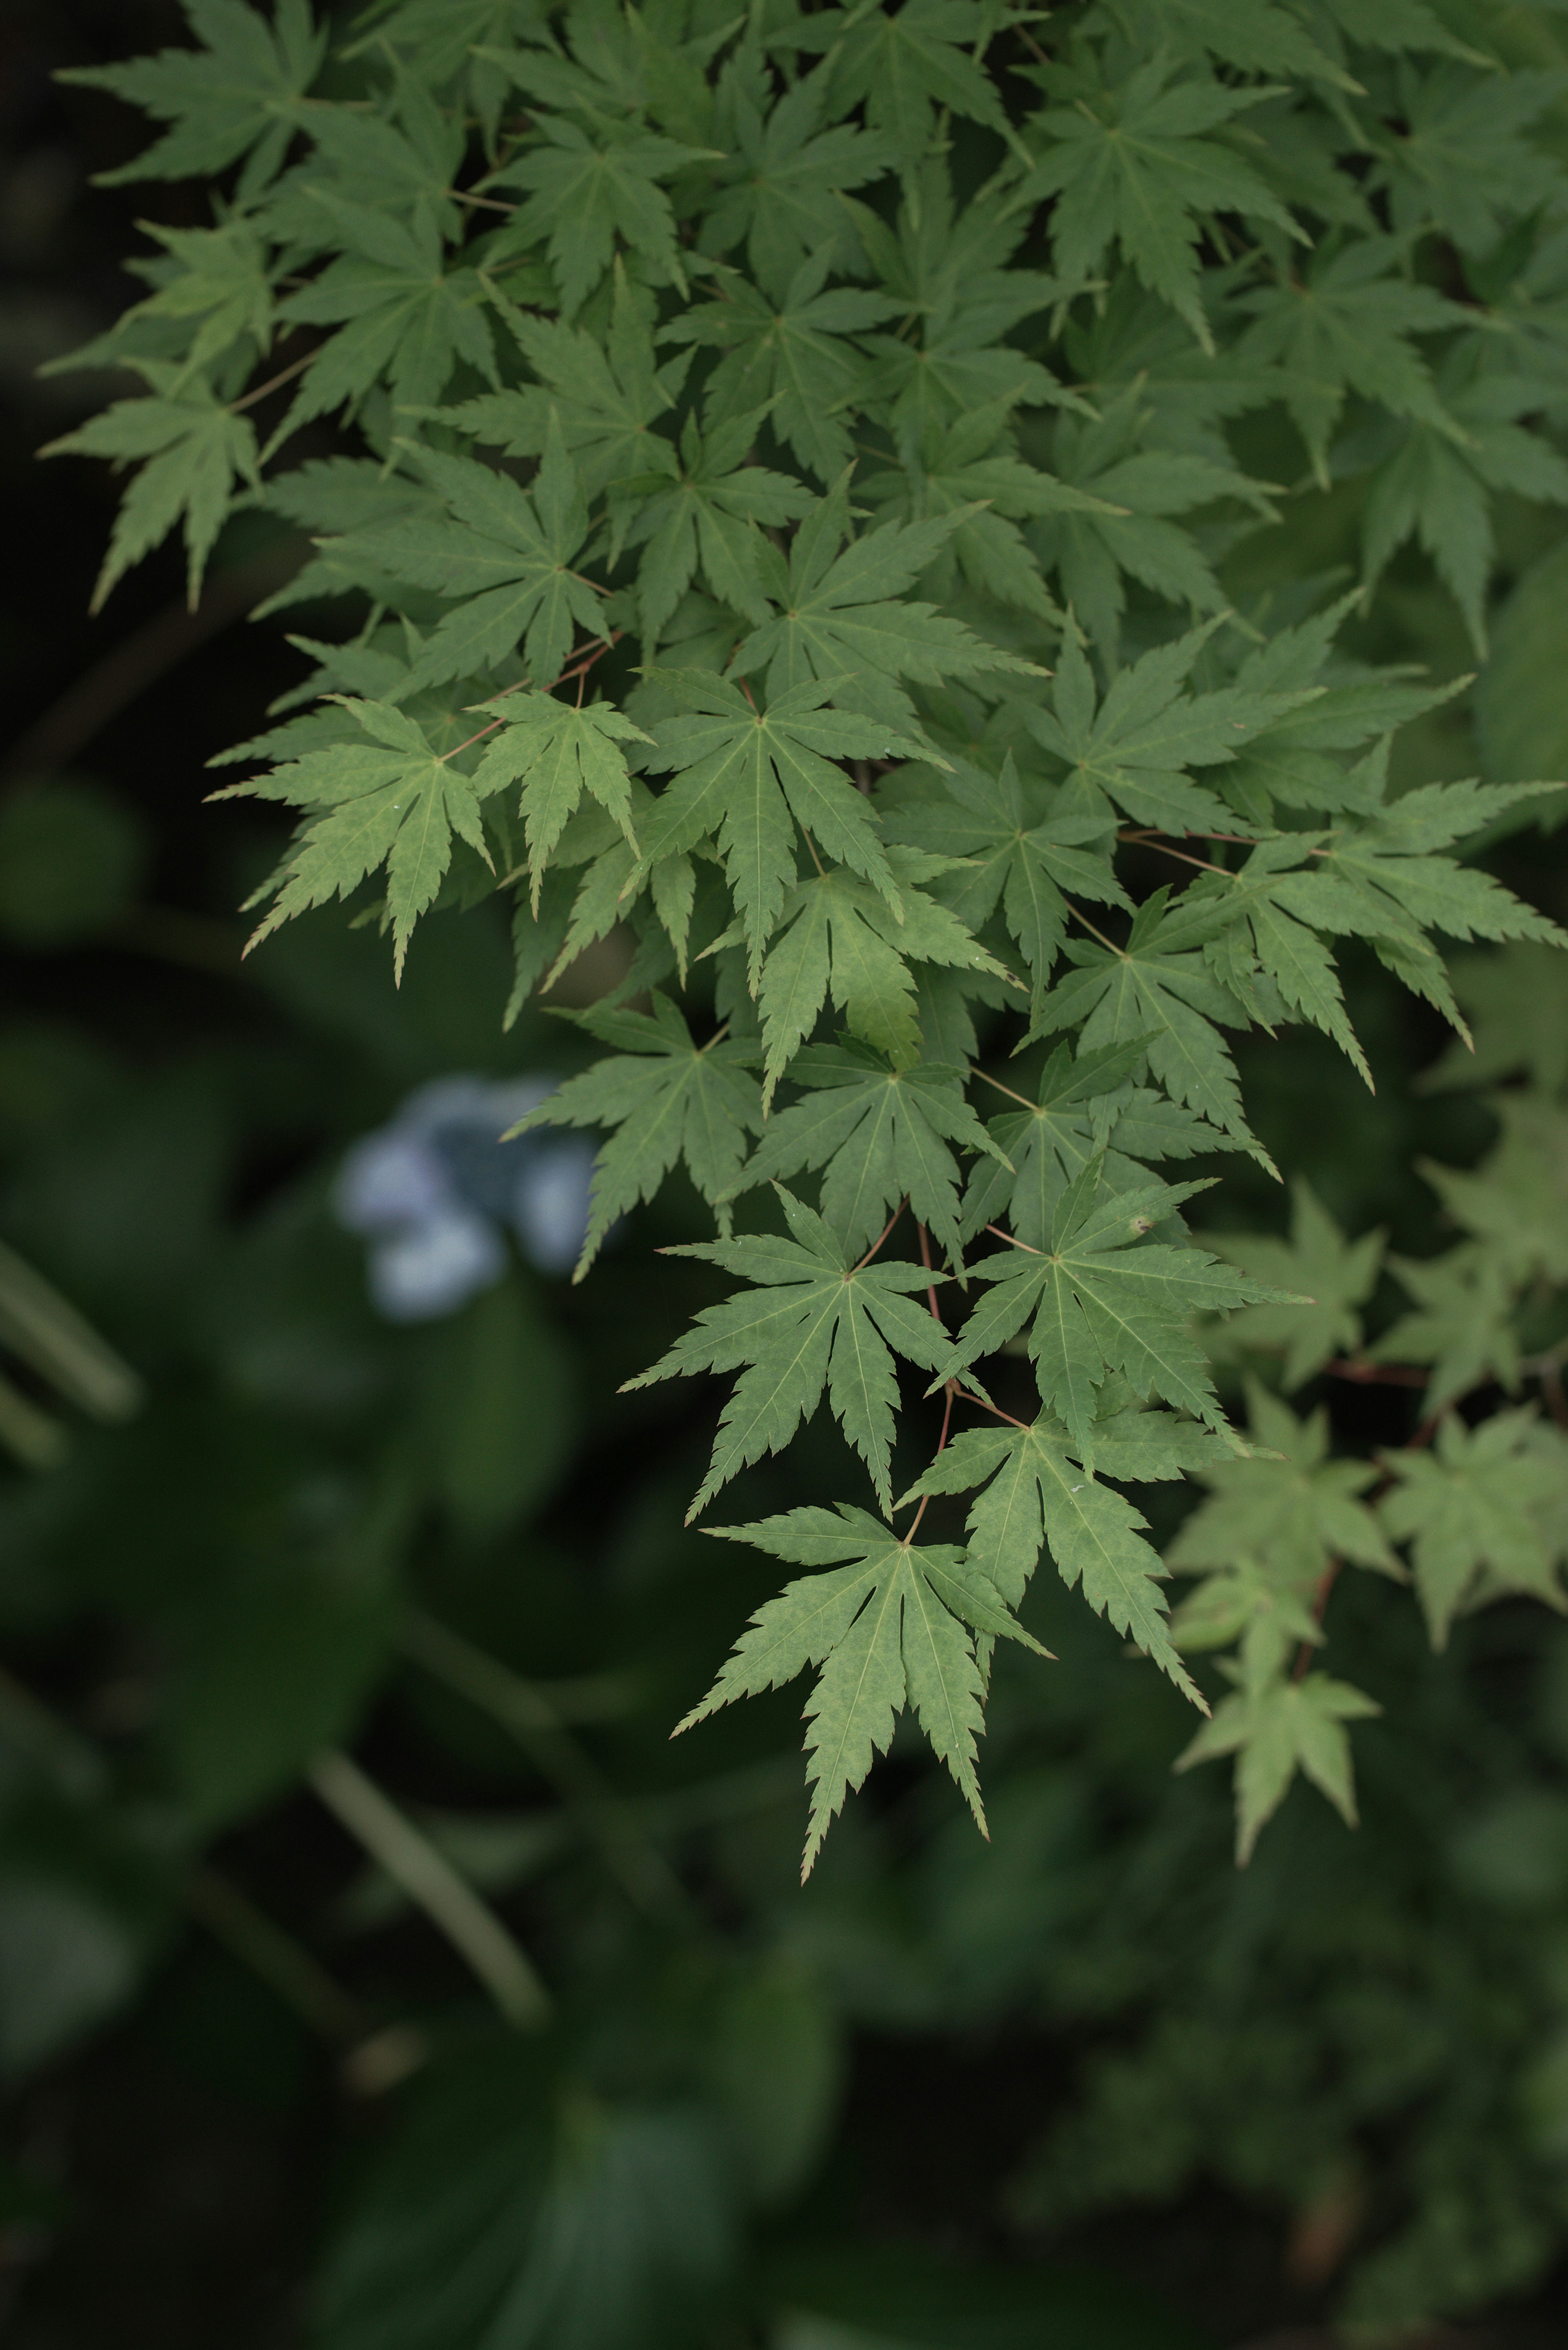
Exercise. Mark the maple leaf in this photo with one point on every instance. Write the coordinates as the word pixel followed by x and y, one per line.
pixel 668 1099
pixel 1485 1513
pixel 779 191
pixel 558 753
pixel 1118 520
pixel 1135 747
pixel 241 94
pixel 1133 163
pixel 905 63
pixel 1157 990
pixel 837 936
pixel 507 553
pixel 193 450
pixel 840 615
pixel 585 195
pixel 400 309
pixel 607 394
pixel 1462 1326
pixel 749 776
pixel 1024 844
pixel 1344 326
pixel 1297 1511
pixel 222 283
pixel 945 268
pixel 814 1320
pixel 882 1133
pixel 890 1627
pixel 1082 1107
pixel 968 469
pixel 1041 1494
pixel 790 353
pixel 1336 1276
pixel 1274 1730
pixel 1101 1298
pixel 392 800
pixel 1438 489
pixel 709 512
pixel 1461 163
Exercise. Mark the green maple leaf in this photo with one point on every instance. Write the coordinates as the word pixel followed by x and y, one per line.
pixel 1295 759
pixel 241 94
pixel 1136 745
pixel 1040 1494
pixel 443 40
pixel 1516 1201
pixel 507 553
pixel 747 776
pixel 1462 1325
pixel 668 1099
pixel 558 753
pixel 392 800
pixel 791 353
pixel 1334 1274
pixel 1274 1730
pixel 905 64
pixel 890 1627
pixel 1516 1002
pixel 837 936
pixel 1380 881
pixel 585 195
pixel 840 615
pixel 607 392
pixel 625 69
pixel 1346 327
pixel 969 469
pixel 709 512
pixel 194 451
pixel 400 312
pixel 816 1320
pixel 1255 34
pixel 1485 1513
pixel 946 268
pixel 221 284
pixel 1460 163
pixel 1024 844
pixel 1296 1511
pixel 780 189
pixel 1133 163
pixel 1438 490
pixel 1082 1107
pixel 1155 988
pixel 882 1133
pixel 1118 523
pixel 1101 1299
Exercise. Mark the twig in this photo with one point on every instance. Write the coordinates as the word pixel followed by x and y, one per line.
pixel 881 1237
pixel 127 671
pixel 1013 1244
pixel 525 1711
pixel 429 1878
pixel 285 1965
pixel 284 375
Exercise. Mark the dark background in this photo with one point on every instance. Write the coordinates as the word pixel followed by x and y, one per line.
pixel 173 2177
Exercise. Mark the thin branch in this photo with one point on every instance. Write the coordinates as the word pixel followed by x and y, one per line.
pixel 1011 1243
pixel 525 1711
pixel 1022 1100
pixel 881 1237
pixel 284 375
pixel 1094 933
pixel 429 1878
pixel 273 1955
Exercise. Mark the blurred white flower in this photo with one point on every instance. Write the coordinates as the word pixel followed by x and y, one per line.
pixel 433 1190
